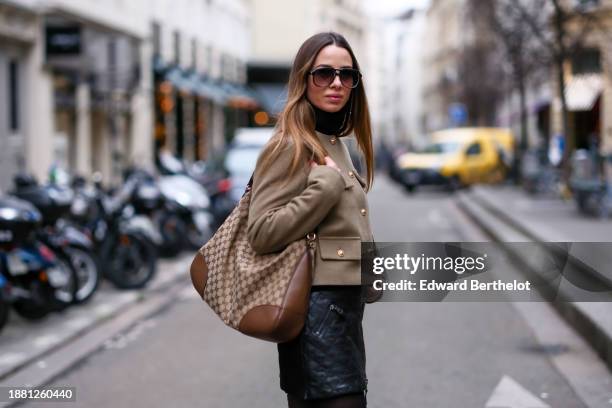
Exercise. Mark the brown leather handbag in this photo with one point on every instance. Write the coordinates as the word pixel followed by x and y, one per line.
pixel 263 296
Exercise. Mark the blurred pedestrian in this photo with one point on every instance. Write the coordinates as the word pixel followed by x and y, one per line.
pixel 305 182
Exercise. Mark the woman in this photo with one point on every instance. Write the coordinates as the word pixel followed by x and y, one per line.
pixel 305 182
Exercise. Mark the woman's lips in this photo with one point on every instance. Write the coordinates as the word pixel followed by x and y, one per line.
pixel 334 98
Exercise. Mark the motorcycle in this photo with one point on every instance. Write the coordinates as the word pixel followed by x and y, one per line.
pixel 191 203
pixel 54 203
pixel 124 242
pixel 195 181
pixel 218 184
pixel 148 200
pixel 5 300
pixel 40 280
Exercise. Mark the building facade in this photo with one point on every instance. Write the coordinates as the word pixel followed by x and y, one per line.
pixel 587 74
pixel 396 47
pixel 280 27
pixel 97 86
pixel 588 78
pixel 200 50
pixel 446 35
pixel 24 112
pixel 464 78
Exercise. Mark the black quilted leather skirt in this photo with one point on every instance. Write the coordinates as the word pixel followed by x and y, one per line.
pixel 328 358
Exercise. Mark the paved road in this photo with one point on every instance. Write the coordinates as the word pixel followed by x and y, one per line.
pixel 419 354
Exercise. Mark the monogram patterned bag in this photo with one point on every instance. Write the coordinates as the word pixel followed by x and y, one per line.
pixel 263 296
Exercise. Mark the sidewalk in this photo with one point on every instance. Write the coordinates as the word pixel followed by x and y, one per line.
pixel 25 342
pixel 508 214
pixel 551 219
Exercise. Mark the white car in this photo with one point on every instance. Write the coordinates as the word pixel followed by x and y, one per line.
pixel 252 136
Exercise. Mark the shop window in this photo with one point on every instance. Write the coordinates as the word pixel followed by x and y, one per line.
pixel 13 94
pixel 156 39
pixel 177 47
pixel 194 53
pixel 209 60
pixel 586 4
pixel 224 66
pixel 586 61
pixel 112 54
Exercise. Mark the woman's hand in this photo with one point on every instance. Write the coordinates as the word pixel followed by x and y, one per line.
pixel 328 162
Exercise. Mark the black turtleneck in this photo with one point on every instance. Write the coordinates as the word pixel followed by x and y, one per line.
pixel 329 123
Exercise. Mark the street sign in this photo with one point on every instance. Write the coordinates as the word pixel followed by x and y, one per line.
pixel 458 114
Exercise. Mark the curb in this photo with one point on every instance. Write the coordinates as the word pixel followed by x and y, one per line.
pixel 159 284
pixel 544 234
pixel 590 319
pixel 72 353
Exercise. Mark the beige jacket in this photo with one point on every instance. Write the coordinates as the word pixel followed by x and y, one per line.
pixel 323 200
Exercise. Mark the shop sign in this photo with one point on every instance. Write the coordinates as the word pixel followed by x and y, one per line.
pixel 63 40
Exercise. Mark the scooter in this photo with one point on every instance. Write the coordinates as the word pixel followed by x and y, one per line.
pixel 191 203
pixel 40 280
pixel 188 187
pixel 218 184
pixel 148 200
pixel 124 242
pixel 5 300
pixel 54 203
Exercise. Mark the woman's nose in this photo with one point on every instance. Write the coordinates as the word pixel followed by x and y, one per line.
pixel 336 83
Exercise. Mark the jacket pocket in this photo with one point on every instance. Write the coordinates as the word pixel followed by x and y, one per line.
pixel 332 320
pixel 340 248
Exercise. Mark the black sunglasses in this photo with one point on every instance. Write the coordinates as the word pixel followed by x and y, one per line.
pixel 324 76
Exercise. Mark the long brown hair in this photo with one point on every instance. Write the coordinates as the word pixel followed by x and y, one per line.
pixel 296 123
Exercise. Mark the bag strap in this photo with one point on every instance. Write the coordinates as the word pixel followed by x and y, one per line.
pixel 249 185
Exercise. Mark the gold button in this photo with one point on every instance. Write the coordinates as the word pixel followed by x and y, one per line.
pixel 340 253
pixel 351 174
pixel 333 140
pixel 363 212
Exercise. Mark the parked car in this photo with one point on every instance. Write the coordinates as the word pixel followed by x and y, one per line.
pixel 240 162
pixel 242 155
pixel 459 157
pixel 252 136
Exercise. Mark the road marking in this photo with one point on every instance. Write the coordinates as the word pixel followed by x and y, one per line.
pixel 511 394
pixel 435 217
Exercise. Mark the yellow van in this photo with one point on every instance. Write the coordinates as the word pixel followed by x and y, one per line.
pixel 459 157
